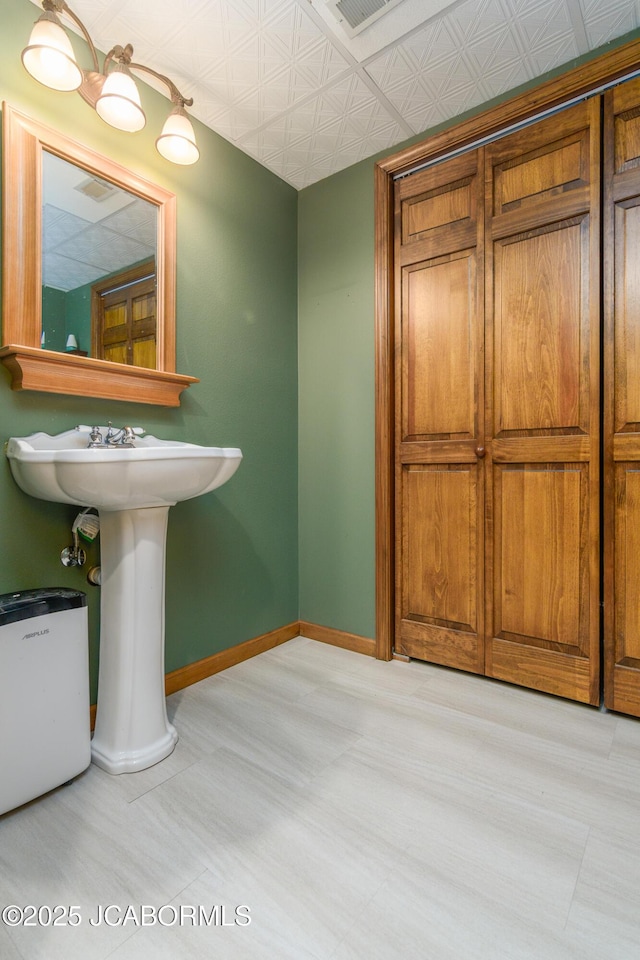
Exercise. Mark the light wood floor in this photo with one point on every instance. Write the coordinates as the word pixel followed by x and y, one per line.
pixel 360 810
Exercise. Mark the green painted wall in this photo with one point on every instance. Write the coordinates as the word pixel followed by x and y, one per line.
pixel 54 309
pixel 77 316
pixel 232 566
pixel 336 424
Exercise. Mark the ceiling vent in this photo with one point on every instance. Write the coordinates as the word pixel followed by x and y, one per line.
pixel 354 16
pixel 95 189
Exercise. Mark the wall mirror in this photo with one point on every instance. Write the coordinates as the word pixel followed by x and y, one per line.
pixel 89 263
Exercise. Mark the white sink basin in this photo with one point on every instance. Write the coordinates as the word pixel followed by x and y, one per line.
pixel 153 473
pixel 133 489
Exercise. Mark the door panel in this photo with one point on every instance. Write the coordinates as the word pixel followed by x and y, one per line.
pixel 540 379
pixel 439 381
pixel 435 208
pixel 622 398
pixel 440 545
pixel 439 348
pixel 543 296
pixel 627 547
pixel 550 165
pixel 627 303
pixel 540 566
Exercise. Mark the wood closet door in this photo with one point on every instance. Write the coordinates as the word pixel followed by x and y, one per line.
pixel 439 402
pixel 497 409
pixel 543 414
pixel 622 408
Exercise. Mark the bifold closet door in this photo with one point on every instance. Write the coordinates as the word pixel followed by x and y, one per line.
pixel 497 408
pixel 543 350
pixel 439 414
pixel 622 392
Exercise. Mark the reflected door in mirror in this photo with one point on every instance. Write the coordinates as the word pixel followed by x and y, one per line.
pixel 93 232
pixel 123 317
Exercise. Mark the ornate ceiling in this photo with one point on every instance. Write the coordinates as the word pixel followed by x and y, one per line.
pixel 286 83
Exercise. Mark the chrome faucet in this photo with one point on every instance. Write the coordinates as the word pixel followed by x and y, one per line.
pixel 119 438
pixel 124 437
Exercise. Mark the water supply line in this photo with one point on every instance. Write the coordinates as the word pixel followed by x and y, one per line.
pixel 86 526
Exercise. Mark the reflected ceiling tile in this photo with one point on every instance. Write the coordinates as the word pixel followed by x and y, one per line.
pixel 64 274
pixel 58 225
pixel 116 257
pixel 137 220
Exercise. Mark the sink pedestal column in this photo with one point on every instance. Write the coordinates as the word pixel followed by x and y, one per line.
pixel 132 731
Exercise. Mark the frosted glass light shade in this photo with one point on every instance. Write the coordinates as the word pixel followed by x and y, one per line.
pixel 49 56
pixel 119 102
pixel 177 142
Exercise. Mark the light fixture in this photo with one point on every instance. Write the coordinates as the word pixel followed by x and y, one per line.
pixel 49 55
pixel 119 101
pixel 112 91
pixel 177 142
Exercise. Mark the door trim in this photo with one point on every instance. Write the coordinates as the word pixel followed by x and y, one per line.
pixel 614 65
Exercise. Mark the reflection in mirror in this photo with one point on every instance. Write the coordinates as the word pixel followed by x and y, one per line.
pixel 98 267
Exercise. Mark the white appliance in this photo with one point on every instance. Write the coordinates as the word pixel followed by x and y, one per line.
pixel 45 736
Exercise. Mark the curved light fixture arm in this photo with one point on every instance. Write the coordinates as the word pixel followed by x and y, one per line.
pixel 124 54
pixel 176 96
pixel 121 54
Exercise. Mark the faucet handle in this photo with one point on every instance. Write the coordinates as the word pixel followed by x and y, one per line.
pixel 95 437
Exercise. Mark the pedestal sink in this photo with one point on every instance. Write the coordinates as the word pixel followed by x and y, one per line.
pixel 133 488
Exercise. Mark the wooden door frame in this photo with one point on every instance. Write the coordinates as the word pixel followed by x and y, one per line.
pixel 557 93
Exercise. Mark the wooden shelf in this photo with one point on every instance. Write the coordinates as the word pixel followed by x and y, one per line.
pixel 32 368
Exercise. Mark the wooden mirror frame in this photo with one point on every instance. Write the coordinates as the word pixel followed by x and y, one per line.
pixel 31 367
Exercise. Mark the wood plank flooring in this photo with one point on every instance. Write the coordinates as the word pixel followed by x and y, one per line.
pixel 359 809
